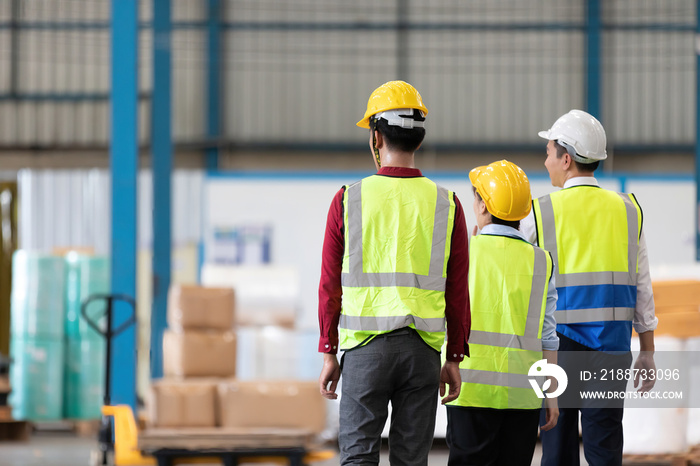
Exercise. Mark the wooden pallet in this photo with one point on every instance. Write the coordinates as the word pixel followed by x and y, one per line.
pixel 14 431
pixel 691 458
pixel 80 427
pixel 694 456
pixel 223 438
pixel 86 428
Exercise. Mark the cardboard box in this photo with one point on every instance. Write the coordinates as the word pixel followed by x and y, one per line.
pixel 5 384
pixel 677 293
pixel 679 325
pixel 195 353
pixel 198 307
pixel 182 403
pixel 274 404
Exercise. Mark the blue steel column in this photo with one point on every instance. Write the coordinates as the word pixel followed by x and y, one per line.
pixel 593 54
pixel 123 162
pixel 213 82
pixel 162 168
pixel 697 131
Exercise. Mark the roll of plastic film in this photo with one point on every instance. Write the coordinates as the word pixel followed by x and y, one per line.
pixel 36 336
pixel 36 375
pixel 85 350
pixel 83 391
pixel 85 276
pixel 37 303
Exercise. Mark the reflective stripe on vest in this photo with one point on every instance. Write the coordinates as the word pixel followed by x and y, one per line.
pixel 626 278
pixel 357 278
pixel 499 379
pixel 578 316
pixel 388 323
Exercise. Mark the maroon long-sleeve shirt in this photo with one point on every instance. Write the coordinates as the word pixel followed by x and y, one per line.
pixel 457 311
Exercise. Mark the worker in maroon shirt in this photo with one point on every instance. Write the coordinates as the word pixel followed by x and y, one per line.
pixel 394 280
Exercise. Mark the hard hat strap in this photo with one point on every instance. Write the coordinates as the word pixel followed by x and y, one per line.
pixel 572 152
pixel 373 128
pixel 398 117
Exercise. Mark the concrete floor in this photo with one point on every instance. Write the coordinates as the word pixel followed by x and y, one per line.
pixel 63 449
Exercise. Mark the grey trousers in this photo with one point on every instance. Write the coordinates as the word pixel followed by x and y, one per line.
pixel 398 367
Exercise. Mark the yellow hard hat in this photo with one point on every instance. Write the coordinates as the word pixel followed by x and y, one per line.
pixel 505 189
pixel 390 96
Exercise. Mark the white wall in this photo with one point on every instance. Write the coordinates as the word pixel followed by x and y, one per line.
pixel 297 205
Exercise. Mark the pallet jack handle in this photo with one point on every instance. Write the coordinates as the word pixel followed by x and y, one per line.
pixel 108 332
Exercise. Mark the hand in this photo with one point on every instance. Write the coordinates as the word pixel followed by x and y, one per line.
pixel 644 364
pixel 330 374
pixel 449 374
pixel 552 414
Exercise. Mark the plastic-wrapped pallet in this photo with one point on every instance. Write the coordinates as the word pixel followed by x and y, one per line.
pixel 656 430
pixel 265 294
pixel 37 332
pixel 693 434
pixel 277 353
pixel 85 348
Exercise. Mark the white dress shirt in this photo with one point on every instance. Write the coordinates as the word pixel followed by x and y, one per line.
pixel 644 315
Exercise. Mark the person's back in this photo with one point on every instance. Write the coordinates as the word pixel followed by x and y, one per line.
pixel 495 418
pixel 394 281
pixel 394 261
pixel 596 240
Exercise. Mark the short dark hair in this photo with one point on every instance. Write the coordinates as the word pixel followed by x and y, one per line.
pixel 499 221
pixel 582 167
pixel 403 139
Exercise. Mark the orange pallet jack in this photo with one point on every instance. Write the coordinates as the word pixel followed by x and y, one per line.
pixel 126 433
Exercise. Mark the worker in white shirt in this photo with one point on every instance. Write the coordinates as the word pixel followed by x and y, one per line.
pixel 604 289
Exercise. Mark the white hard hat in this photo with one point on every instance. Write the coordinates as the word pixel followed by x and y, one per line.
pixel 583 132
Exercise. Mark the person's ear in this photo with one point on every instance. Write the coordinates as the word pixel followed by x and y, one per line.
pixel 482 207
pixel 378 139
pixel 566 161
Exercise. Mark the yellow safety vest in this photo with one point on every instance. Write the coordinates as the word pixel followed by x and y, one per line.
pixel 593 236
pixel 398 234
pixel 508 283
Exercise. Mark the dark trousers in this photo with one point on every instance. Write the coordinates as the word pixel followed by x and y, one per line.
pixel 601 427
pixel 491 437
pixel 397 368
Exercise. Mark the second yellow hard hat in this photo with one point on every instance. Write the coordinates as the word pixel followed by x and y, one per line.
pixel 505 189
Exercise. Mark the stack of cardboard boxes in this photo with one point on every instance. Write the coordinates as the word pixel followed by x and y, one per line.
pixel 200 388
pixel 5 410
